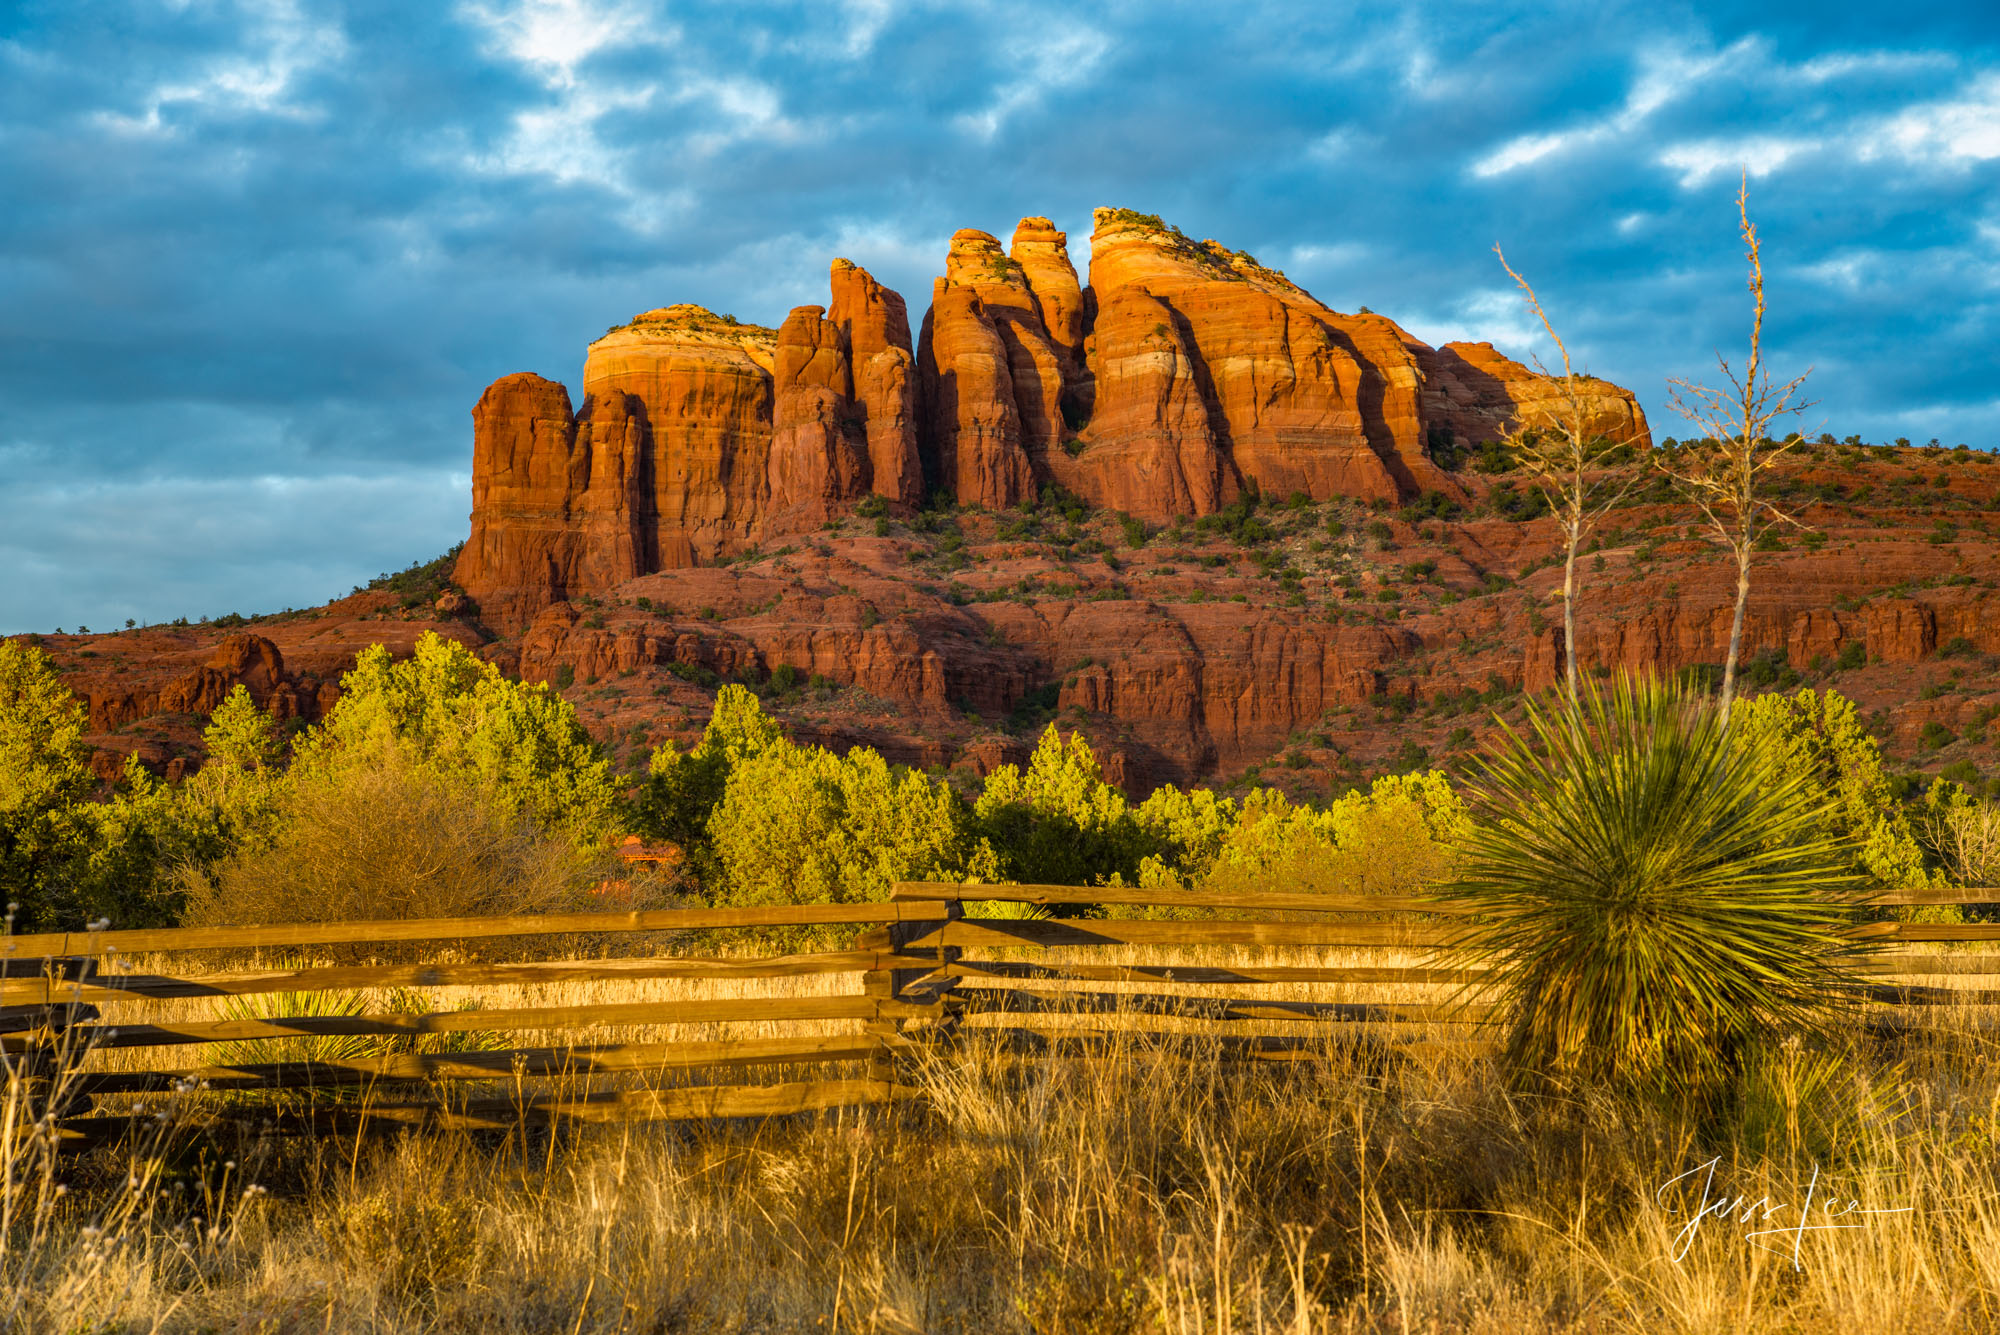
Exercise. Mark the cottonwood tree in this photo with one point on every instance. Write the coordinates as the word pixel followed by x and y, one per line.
pixel 1566 460
pixel 1720 473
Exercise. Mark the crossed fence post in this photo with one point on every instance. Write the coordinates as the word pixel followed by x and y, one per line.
pixel 895 987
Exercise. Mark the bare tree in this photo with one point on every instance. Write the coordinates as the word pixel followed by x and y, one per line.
pixel 1719 474
pixel 1566 460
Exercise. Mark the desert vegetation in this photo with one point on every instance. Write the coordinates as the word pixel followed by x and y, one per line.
pixel 1680 1023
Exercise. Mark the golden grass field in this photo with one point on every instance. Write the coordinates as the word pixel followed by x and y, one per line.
pixel 1149 1186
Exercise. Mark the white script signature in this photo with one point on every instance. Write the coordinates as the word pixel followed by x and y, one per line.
pixel 1831 1212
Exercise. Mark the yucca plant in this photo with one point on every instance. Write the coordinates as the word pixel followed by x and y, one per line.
pixel 1655 896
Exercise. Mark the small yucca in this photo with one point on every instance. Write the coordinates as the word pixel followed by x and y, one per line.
pixel 1654 896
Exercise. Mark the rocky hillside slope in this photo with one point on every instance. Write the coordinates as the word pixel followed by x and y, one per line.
pixel 1302 643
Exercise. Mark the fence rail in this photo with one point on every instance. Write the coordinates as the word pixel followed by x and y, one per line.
pixel 926 971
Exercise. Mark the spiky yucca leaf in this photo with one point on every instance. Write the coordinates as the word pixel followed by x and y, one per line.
pixel 1652 897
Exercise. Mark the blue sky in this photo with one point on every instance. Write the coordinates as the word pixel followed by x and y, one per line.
pixel 258 259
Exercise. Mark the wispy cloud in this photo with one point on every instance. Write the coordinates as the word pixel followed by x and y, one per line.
pixel 259 77
pixel 1664 75
pixel 1049 58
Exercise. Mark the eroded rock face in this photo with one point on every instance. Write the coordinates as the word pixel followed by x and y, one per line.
pixel 876 327
pixel 819 447
pixel 1182 377
pixel 1477 394
pixel 250 661
pixel 699 436
pixel 967 399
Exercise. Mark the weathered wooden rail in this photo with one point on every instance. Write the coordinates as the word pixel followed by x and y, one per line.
pixel 925 969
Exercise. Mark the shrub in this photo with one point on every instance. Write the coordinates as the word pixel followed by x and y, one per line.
pixel 1820 734
pixel 1654 894
pixel 1961 772
pixel 390 839
pixel 1135 530
pixel 799 825
pixel 683 788
pixel 1394 839
pixel 446 711
pixel 1058 822
pixel 1852 655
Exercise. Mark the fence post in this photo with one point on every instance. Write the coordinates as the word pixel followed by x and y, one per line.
pixel 920 984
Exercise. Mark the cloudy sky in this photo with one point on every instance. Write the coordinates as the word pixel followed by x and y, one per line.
pixel 258 259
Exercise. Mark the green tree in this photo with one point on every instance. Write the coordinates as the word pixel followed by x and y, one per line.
pixel 800 825
pixel 46 785
pixel 241 736
pixel 1058 822
pixel 1398 838
pixel 682 788
pixel 446 711
pixel 1820 734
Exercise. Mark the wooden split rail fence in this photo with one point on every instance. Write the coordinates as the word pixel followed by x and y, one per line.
pixel 925 968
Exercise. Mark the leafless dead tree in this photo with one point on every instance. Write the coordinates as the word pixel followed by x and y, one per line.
pixel 1719 473
pixel 1565 459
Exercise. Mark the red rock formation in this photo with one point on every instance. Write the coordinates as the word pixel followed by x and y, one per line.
pixel 876 327
pixel 1041 254
pixel 699 436
pixel 702 384
pixel 819 448
pixel 1478 395
pixel 967 401
pixel 245 660
pixel 1185 375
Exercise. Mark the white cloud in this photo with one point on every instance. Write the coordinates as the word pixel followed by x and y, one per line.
pixel 1665 75
pixel 260 81
pixel 1954 131
pixel 1059 57
pixel 553 39
pixel 867 19
pixel 1754 155
pixel 1309 260
pixel 1494 315
pixel 1848 64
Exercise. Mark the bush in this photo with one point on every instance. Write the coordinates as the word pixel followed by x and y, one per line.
pixel 682 788
pixel 799 825
pixel 1135 530
pixel 1058 822
pixel 1820 734
pixel 1656 895
pixel 390 839
pixel 446 711
pixel 1852 655
pixel 1397 838
pixel 45 786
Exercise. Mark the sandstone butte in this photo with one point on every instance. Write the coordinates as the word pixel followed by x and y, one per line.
pixel 1183 375
pixel 692 522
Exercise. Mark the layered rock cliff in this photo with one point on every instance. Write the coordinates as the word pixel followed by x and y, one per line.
pixel 1183 376
pixel 1322 643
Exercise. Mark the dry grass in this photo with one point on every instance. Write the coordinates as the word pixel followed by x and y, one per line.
pixel 1153 1187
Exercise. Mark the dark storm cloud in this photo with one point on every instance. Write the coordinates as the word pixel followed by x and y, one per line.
pixel 257 260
